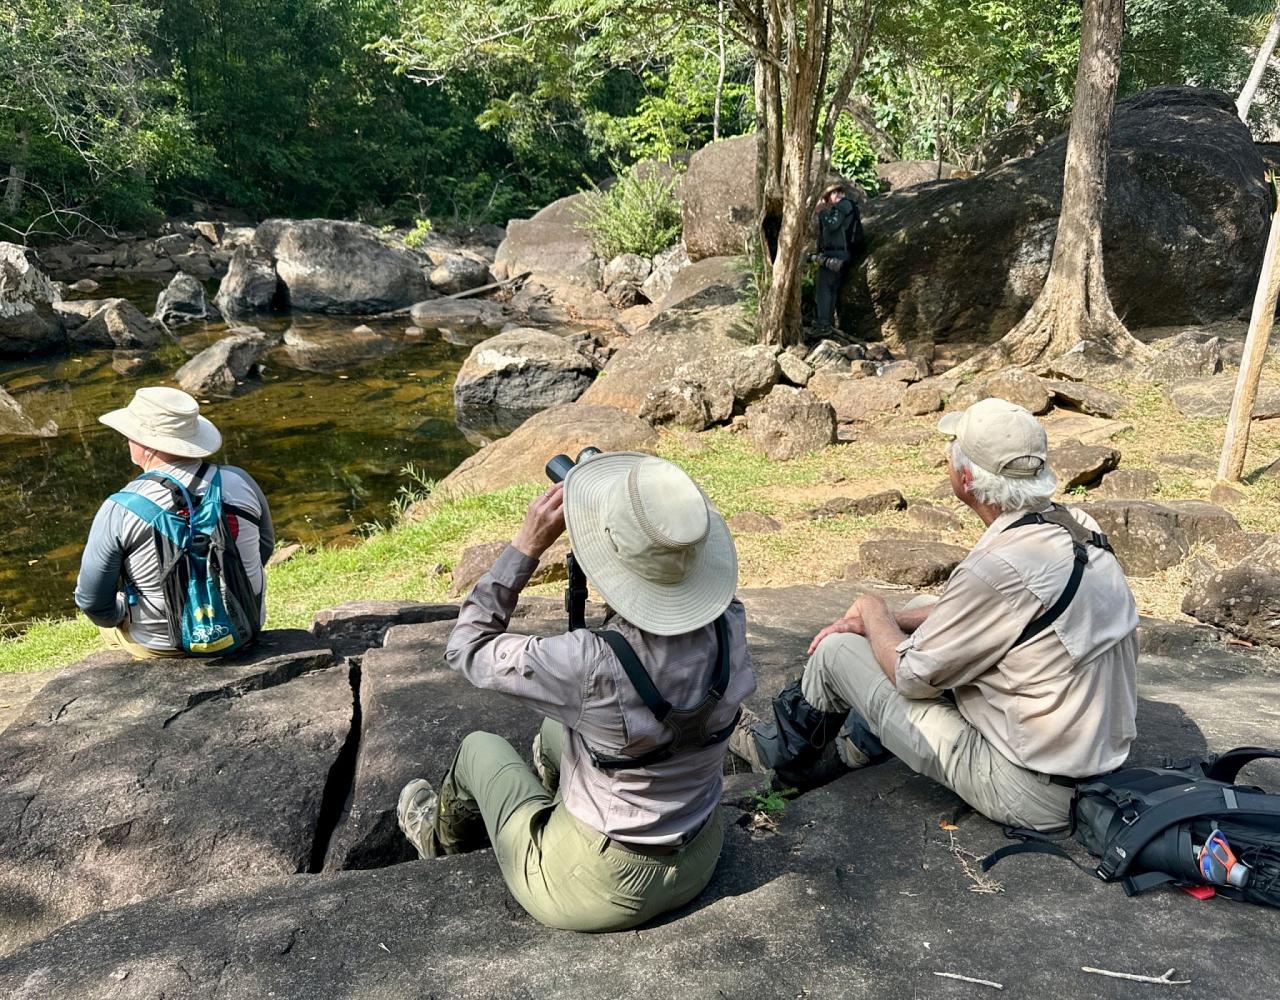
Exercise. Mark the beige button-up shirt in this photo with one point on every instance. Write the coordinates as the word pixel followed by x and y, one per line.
pixel 1063 702
pixel 576 679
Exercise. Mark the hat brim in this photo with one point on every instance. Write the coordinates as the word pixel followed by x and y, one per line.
pixel 950 424
pixel 205 442
pixel 662 609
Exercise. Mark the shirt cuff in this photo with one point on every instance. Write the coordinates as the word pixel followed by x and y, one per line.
pixel 513 568
pixel 912 669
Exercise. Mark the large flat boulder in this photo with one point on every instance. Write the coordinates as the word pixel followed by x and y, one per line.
pixel 340 267
pixel 324 349
pixel 719 195
pixel 414 713
pixel 128 779
pixel 1243 598
pixel 1149 536
pixel 521 455
pixel 880 841
pixel 28 324
pixel 963 261
pixel 508 378
pixel 1211 397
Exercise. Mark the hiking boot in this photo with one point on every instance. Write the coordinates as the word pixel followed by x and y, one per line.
pixel 416 811
pixel 857 746
pixel 743 741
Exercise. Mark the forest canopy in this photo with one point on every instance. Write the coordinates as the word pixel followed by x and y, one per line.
pixel 461 111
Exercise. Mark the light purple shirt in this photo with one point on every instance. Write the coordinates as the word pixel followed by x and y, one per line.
pixel 575 679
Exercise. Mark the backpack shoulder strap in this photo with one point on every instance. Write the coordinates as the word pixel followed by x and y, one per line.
pixel 636 673
pixel 1226 767
pixel 151 513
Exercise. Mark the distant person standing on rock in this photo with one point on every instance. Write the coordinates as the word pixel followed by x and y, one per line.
pixel 1014 685
pixel 136 582
pixel 622 821
pixel 839 235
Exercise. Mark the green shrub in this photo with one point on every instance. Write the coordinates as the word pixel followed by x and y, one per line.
pixel 638 214
pixel 852 156
pixel 415 237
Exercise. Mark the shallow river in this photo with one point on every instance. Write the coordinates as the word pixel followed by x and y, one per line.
pixel 327 445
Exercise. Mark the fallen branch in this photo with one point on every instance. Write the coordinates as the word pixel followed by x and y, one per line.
pixel 1161 980
pixel 981 883
pixel 489 287
pixel 970 979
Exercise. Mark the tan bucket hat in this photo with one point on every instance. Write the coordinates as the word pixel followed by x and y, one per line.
pixel 167 420
pixel 995 434
pixel 650 542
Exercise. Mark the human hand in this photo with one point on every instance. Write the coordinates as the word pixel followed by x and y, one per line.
pixel 851 622
pixel 832 264
pixel 543 522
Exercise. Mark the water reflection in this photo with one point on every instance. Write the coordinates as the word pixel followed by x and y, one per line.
pixel 325 432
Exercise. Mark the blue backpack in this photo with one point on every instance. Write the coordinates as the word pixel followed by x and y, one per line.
pixel 209 603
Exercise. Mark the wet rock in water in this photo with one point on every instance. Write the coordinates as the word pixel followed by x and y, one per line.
pixel 1086 398
pixel 14 421
pixel 340 267
pixel 964 260
pixel 115 323
pixel 326 350
pixel 1244 598
pixel 875 503
pixel 790 422
pixel 356 626
pixel 461 321
pixel 28 323
pixel 128 779
pixel 455 273
pixel 85 286
pixel 1077 464
pixel 521 455
pixel 250 284
pixel 913 563
pixel 1211 397
pixel 1129 484
pixel 508 378
pixel 220 368
pixel 750 522
pixel 183 301
pixel 1149 537
pixel 128 362
pixel 1186 356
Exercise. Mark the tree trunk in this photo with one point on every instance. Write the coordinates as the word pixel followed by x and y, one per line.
pixel 1074 306
pixel 1259 68
pixel 715 116
pixel 17 175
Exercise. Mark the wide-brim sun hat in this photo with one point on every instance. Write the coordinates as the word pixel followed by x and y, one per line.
pixel 650 542
pixel 167 420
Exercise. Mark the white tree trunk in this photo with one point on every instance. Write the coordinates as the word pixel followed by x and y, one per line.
pixel 17 176
pixel 1259 68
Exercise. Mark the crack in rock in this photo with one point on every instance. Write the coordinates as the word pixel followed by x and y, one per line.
pixel 288 669
pixel 340 784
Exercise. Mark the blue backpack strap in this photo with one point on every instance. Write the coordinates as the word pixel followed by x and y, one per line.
pixel 162 477
pixel 152 514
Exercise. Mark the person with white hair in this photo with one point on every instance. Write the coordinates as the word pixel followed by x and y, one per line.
pixel 1016 684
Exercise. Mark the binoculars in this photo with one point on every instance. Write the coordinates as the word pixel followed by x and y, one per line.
pixel 560 465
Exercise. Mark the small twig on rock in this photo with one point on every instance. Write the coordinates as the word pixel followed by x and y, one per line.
pixel 970 979
pixel 981 882
pixel 1162 980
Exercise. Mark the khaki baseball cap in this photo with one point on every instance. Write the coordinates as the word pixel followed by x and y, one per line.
pixel 995 434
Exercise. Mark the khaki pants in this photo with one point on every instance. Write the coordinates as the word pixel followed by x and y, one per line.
pixel 931 737
pixel 562 872
pixel 119 638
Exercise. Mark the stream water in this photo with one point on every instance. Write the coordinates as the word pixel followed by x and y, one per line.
pixel 326 434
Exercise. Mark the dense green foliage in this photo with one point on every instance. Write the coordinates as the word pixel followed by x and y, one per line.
pixel 852 156
pixel 393 110
pixel 638 213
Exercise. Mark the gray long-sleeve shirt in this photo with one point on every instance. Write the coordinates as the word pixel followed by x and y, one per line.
pixel 120 546
pixel 576 679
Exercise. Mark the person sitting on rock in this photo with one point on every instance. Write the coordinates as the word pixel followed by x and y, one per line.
pixel 1017 682
pixel 622 821
pixel 123 576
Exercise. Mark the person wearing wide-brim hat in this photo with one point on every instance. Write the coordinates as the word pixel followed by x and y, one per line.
pixel 1016 684
pixel 839 235
pixel 121 584
pixel 622 820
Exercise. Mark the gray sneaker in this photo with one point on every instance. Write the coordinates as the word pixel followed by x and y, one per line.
pixel 416 811
pixel 742 741
pixel 850 754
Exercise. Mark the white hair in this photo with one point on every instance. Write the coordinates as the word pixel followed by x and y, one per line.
pixel 1009 493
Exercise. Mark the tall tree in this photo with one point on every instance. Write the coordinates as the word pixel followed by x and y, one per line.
pixel 1259 67
pixel 1074 307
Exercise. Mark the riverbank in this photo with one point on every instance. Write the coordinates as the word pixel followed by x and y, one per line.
pixel 791 519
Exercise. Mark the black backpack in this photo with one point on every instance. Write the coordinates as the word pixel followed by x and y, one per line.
pixel 1150 826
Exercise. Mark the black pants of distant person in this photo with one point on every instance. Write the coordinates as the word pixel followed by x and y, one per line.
pixel 826 292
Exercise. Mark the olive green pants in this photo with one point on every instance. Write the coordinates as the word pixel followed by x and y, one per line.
pixel 562 872
pixel 119 638
pixel 931 737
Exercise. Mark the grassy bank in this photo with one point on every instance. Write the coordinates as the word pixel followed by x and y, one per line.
pixel 413 560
